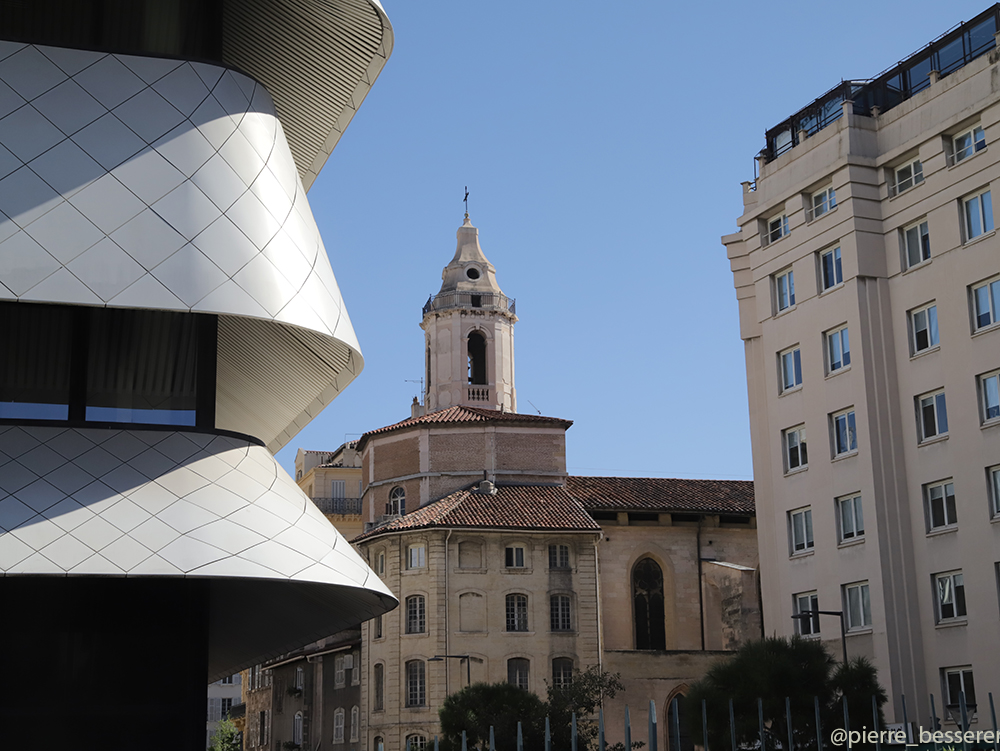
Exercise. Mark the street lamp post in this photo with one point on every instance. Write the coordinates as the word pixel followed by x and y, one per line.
pixel 805 615
pixel 468 664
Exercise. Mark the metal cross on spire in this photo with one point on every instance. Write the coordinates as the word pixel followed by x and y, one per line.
pixel 466 201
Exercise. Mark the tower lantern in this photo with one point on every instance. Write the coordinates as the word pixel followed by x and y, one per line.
pixel 469 327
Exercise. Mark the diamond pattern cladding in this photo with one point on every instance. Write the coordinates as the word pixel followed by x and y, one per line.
pixel 112 143
pixel 140 503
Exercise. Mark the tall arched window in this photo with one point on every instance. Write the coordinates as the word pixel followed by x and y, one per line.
pixel 378 703
pixel 416 686
pixel 517 612
pixel 355 722
pixel 477 358
pixel 647 605
pixel 397 501
pixel 415 614
pixel 338 726
pixel 297 729
pixel 378 743
pixel 517 672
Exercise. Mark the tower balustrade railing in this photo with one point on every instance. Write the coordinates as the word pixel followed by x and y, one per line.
pixel 483 300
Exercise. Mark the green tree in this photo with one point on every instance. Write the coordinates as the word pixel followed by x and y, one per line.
pixel 226 737
pixel 476 708
pixel 773 669
pixel 583 695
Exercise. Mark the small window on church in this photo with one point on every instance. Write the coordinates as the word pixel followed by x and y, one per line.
pixel 477 358
pixel 472 272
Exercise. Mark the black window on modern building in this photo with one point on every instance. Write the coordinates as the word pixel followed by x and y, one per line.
pixel 647 605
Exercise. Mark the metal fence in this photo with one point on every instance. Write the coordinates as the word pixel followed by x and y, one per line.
pixel 855 732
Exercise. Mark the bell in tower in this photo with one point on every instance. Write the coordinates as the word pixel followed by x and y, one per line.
pixel 469 328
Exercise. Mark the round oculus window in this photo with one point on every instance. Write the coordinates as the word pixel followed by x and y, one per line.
pixel 472 272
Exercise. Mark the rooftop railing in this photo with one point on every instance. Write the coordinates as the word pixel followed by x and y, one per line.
pixel 946 54
pixel 485 301
pixel 338 505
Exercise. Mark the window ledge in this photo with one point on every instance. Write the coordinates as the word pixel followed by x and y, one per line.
pixel 859 631
pixel 952 622
pixel 985 330
pixel 790 390
pixel 837 372
pixel 519 571
pixel 460 570
pixel 519 633
pixel 927 351
pixel 825 213
pixel 785 311
pixel 830 290
pixel 995 519
pixel 991 423
pixel 917 266
pixel 903 192
pixel 413 571
pixel 423 634
pixel 796 471
pixel 952 164
pixel 845 455
pixel 802 554
pixel 979 238
pixel 852 542
pixel 937 531
pixel 933 439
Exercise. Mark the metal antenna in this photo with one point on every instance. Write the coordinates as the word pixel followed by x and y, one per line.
pixel 421 382
pixel 533 405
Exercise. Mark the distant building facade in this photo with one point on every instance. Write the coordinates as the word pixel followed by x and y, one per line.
pixel 866 269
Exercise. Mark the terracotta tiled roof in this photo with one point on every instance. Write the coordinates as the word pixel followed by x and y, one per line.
pixel 659 494
pixel 460 414
pixel 533 507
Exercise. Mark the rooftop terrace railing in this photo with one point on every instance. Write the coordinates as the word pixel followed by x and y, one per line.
pixel 952 50
pixel 338 505
pixel 484 300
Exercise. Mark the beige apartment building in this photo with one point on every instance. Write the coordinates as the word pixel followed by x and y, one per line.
pixel 867 271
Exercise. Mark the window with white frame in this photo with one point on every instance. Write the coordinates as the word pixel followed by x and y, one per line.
pixel 514 556
pixel 850 518
pixel 558 556
pixel 838 350
pixel 989 395
pixel 905 177
pixel 932 415
pixel 986 304
pixel 845 434
pixel 559 613
pixel 300 678
pixel 380 563
pixel 517 612
pixel 794 444
pixel 857 606
pixel 355 723
pixel 777 228
pixel 802 603
pixel 397 502
pixel 940 499
pixel 993 478
pixel 956 682
pixel 830 268
pixel 416 686
pixel 339 672
pixel 916 241
pixel 415 614
pixel 822 202
pixel 924 328
pixel 790 368
pixel 800 530
pixel 517 672
pixel 355 668
pixel 416 743
pixel 967 143
pixel 416 556
pixel 562 672
pixel 977 215
pixel 784 290
pixel 297 729
pixel 950 590
pixel 338 725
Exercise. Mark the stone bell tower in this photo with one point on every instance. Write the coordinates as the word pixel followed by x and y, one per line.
pixel 469 328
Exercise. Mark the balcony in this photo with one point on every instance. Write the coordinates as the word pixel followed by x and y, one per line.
pixel 338 505
pixel 459 299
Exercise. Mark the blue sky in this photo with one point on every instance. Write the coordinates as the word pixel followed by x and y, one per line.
pixel 603 145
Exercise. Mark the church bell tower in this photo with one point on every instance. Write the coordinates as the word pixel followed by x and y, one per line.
pixel 469 334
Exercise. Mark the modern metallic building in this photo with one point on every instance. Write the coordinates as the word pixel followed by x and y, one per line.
pixel 868 277
pixel 168 320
